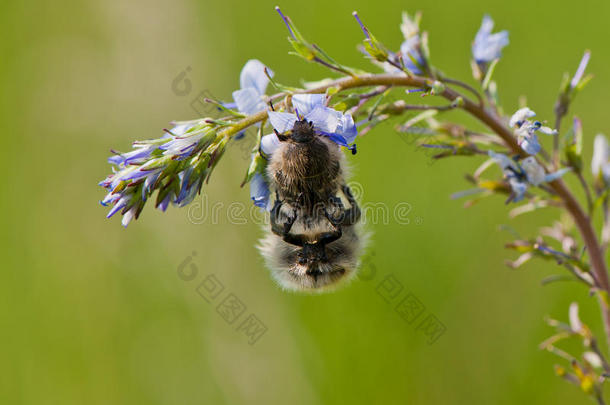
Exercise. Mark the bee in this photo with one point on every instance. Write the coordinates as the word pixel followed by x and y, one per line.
pixel 315 241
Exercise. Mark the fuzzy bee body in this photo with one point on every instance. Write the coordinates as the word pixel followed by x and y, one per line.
pixel 314 241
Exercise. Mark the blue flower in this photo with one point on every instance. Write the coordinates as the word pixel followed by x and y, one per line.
pixel 339 127
pixel 521 176
pixel 487 46
pixel 410 50
pixel 526 130
pixel 259 191
pixel 411 55
pixel 580 72
pixel 519 117
pixel 253 85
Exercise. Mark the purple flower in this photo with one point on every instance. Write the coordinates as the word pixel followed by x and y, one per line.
pixel 136 156
pixel 137 173
pixel 253 84
pixel 487 46
pixel 185 140
pixel 339 127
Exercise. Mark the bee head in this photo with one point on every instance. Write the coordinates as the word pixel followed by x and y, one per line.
pixel 302 131
pixel 312 253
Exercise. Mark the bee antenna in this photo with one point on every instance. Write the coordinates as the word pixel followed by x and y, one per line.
pixel 271 105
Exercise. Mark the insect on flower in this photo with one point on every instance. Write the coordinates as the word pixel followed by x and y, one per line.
pixel 314 240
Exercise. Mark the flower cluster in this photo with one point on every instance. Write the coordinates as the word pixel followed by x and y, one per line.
pixel 175 165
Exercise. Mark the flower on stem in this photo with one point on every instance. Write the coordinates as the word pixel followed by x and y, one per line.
pixel 175 165
pixel 373 47
pixel 411 52
pixel 339 127
pixel 571 86
pixel 259 191
pixel 600 163
pixel 526 130
pixel 580 72
pixel 521 176
pixel 411 55
pixel 487 47
pixel 253 81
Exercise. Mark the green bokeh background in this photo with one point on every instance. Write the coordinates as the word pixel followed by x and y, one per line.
pixel 94 313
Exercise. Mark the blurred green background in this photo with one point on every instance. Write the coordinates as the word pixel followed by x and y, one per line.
pixel 94 313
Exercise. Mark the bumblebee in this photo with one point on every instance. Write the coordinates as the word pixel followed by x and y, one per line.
pixel 314 241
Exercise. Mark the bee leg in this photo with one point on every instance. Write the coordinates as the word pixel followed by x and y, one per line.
pixel 352 215
pixel 328 237
pixel 337 207
pixel 283 230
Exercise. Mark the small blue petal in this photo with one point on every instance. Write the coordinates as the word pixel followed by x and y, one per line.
pixel 259 191
pixel 519 188
pixel 410 50
pixel 347 128
pixel 129 157
pixel 269 143
pixel 338 139
pixel 306 103
pixel 116 159
pixel 324 119
pixel 282 122
pixel 530 144
pixel 253 76
pixel 230 106
pixel 163 205
pixel 487 46
pixel 554 176
pixel 181 129
pixel 249 101
pixel 128 216
pixel 184 188
pixel 117 207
